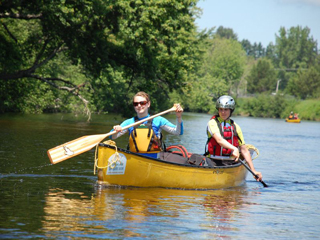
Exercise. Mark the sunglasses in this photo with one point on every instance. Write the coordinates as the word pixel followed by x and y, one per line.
pixel 142 103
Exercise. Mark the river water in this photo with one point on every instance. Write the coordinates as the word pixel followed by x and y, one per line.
pixel 62 201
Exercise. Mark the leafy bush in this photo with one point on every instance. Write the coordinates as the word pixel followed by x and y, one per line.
pixel 263 106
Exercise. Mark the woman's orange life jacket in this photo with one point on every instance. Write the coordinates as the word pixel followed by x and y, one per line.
pixel 228 133
pixel 143 139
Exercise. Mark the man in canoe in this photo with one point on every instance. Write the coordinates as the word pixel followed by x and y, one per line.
pixel 225 137
pixel 291 116
pixel 146 138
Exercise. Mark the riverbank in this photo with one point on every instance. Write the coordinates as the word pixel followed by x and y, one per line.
pixel 261 106
pixel 278 107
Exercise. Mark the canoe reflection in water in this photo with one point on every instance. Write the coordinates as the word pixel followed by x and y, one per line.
pixel 119 212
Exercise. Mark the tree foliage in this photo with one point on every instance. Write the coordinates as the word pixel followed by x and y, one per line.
pixel 255 50
pixel 293 57
pixel 221 68
pixel 227 33
pixel 262 77
pixel 224 61
pixel 152 41
pixel 306 84
pixel 294 49
pixel 103 52
pixel 265 106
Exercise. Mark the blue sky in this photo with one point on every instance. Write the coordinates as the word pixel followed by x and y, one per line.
pixel 260 20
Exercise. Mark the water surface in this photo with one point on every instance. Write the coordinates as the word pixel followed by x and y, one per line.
pixel 45 201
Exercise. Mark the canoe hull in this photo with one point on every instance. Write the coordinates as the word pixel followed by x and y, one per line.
pixel 298 120
pixel 140 171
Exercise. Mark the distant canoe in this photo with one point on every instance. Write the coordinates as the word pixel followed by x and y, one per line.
pixel 132 169
pixel 297 120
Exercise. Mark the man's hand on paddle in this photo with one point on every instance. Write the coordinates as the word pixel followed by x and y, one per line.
pixel 236 154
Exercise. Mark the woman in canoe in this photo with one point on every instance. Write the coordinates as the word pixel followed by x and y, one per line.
pixel 225 137
pixel 146 138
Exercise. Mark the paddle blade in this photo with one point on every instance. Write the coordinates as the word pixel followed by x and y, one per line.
pixel 74 147
pixel 264 184
pixel 83 144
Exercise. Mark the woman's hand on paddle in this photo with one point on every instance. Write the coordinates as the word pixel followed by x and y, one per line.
pixel 117 128
pixel 179 110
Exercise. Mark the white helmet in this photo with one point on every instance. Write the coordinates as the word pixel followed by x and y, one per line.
pixel 226 101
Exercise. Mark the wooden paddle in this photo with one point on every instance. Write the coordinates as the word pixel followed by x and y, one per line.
pixel 85 143
pixel 255 175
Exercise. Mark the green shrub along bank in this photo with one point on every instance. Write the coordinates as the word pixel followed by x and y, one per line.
pixel 268 106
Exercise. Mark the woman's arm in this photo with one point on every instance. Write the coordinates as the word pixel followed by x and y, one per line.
pixel 118 128
pixel 119 131
pixel 170 128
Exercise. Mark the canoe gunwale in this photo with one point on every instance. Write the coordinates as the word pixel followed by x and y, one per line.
pixel 238 164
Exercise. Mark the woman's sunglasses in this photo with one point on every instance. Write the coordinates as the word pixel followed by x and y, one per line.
pixel 142 103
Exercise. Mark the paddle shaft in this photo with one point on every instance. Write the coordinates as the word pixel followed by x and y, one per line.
pixel 139 122
pixel 85 143
pixel 143 120
pixel 255 175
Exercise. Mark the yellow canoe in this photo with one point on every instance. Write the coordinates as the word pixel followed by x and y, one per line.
pixel 297 120
pixel 124 168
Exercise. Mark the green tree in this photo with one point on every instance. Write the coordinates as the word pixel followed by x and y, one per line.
pixel 247 47
pixel 294 49
pixel 225 61
pixel 270 52
pixel 265 105
pixel 262 77
pixel 258 50
pixel 149 41
pixel 227 33
pixel 200 92
pixel 220 70
pixel 305 84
